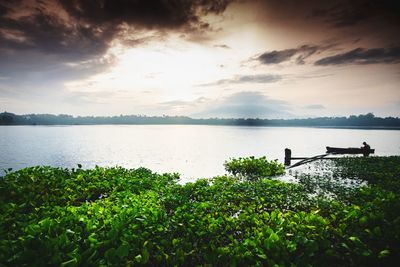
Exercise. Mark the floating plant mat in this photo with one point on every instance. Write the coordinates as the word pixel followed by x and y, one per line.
pixel 130 217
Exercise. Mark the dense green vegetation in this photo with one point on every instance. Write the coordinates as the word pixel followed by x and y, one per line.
pixel 115 216
pixel 253 169
pixel 367 120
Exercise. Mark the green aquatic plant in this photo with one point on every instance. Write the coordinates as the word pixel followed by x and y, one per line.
pixel 120 217
pixel 252 169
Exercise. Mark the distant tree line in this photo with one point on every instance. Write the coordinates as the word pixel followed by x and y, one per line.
pixel 367 120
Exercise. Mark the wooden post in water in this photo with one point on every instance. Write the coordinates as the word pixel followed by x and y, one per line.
pixel 288 156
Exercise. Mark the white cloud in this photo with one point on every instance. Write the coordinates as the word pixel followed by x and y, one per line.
pixel 246 105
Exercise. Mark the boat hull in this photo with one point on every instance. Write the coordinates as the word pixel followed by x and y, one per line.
pixel 350 150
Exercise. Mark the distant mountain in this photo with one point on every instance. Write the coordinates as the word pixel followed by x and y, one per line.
pixel 367 120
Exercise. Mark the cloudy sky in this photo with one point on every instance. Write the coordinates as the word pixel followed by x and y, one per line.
pixel 201 58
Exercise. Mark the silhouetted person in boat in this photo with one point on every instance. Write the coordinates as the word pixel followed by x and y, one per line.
pixel 366 149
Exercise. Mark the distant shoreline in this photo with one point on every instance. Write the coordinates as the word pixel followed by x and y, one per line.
pixel 356 127
pixel 367 121
pixel 228 125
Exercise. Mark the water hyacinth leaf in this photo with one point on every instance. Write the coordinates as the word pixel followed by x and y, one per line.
pixel 123 250
pixel 138 258
pixel 384 253
pixel 69 263
pixel 51 216
pixel 146 256
pixel 110 255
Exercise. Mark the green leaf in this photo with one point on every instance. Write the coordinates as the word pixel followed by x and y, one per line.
pixel 110 254
pixel 363 220
pixel 384 253
pixel 146 256
pixel 122 251
pixel 71 262
pixel 273 237
pixel 262 256
pixel 138 258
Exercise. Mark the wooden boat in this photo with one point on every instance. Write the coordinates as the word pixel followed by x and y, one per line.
pixel 349 150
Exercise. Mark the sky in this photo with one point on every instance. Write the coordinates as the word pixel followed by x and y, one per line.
pixel 200 58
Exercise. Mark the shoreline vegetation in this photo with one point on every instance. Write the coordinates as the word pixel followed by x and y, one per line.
pixel 367 121
pixel 129 217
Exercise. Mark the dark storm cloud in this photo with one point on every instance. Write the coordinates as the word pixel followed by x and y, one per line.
pixel 376 22
pixel 3 10
pixel 336 13
pixel 355 56
pixel 89 25
pixel 300 53
pixel 239 79
pixel 80 30
pixel 147 13
pixel 38 27
pixel 275 57
pixel 363 56
pixel 349 13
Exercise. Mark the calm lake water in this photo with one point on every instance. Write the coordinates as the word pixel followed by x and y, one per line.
pixel 193 151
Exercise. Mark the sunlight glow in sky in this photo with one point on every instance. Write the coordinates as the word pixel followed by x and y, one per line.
pixel 250 58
